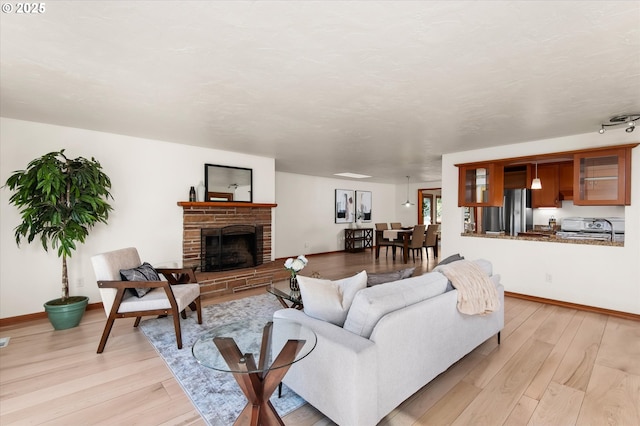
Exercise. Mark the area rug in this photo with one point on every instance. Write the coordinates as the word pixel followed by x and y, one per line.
pixel 215 394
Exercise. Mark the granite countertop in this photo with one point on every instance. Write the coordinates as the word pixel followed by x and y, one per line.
pixel 546 237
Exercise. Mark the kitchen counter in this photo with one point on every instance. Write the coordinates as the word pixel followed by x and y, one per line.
pixel 544 237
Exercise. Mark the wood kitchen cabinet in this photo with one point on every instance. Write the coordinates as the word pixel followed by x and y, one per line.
pixel 602 177
pixel 566 180
pixel 549 195
pixel 480 184
pixel 516 177
pixel 597 176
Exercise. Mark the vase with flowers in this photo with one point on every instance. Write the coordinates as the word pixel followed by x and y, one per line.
pixel 294 266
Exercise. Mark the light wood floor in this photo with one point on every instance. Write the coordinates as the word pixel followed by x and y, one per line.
pixel 555 366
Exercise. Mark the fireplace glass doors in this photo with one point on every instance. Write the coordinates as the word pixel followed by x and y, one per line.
pixel 231 247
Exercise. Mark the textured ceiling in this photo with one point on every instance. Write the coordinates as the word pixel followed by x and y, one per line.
pixel 372 87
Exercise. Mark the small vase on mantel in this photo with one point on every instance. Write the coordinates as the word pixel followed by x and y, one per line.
pixel 200 192
pixel 293 283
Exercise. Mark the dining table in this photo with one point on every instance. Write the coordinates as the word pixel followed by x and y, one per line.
pixel 397 234
pixel 403 234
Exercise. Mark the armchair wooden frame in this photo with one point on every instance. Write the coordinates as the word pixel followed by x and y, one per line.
pixel 174 276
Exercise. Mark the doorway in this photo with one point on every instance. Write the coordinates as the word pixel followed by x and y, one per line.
pixel 430 206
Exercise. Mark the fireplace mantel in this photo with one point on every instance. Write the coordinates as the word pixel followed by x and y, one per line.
pixel 196 204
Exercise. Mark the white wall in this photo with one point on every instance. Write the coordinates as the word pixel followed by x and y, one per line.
pixel 305 219
pixel 148 178
pixel 606 277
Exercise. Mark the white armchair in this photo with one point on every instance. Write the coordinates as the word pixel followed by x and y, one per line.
pixel 169 297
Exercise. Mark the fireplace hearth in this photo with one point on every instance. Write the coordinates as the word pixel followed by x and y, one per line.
pixel 231 247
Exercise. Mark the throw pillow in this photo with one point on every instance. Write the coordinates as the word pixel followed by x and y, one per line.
pixel 328 300
pixel 144 272
pixel 406 273
pixel 385 277
pixel 451 259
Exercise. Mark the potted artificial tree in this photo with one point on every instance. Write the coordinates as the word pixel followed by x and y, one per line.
pixel 60 200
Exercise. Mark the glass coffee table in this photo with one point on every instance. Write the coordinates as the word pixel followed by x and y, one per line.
pixel 258 352
pixel 287 297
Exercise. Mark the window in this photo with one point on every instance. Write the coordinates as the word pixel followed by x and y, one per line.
pixel 426 210
pixel 430 202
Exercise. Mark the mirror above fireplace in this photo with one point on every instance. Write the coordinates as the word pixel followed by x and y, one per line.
pixel 226 183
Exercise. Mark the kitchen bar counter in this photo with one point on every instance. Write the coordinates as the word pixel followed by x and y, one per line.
pixel 547 238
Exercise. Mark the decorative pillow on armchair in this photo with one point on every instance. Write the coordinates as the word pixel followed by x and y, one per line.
pixel 144 272
pixel 330 300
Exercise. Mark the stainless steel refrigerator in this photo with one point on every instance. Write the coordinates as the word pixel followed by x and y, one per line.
pixel 515 215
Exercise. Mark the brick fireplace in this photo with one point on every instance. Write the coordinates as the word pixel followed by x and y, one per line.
pixel 218 215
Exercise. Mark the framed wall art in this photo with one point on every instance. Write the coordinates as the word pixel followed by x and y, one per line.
pixel 345 206
pixel 363 205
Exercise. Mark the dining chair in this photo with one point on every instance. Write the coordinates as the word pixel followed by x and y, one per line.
pixel 417 241
pixel 380 240
pixel 144 293
pixel 431 240
pixel 396 225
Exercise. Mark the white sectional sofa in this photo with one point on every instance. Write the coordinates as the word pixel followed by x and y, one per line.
pixel 397 337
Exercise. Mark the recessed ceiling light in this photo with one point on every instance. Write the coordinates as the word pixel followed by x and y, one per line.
pixel 352 175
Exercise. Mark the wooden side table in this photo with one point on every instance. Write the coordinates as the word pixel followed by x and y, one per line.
pixel 358 239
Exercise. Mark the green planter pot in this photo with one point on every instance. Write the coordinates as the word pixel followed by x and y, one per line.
pixel 67 315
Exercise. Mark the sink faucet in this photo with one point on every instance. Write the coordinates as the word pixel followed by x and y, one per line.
pixel 613 233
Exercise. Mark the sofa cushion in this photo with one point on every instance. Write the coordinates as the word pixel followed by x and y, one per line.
pixel 157 299
pixel 371 304
pixel 144 272
pixel 385 277
pixel 330 300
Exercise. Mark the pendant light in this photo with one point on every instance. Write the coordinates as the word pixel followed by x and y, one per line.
pixel 407 203
pixel 536 184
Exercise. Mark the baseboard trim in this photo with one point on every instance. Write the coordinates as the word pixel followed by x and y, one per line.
pixel 282 259
pixel 618 314
pixel 4 322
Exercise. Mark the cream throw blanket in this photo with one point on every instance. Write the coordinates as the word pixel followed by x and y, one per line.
pixel 477 295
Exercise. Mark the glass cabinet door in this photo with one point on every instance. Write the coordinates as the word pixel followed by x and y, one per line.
pixel 600 178
pixel 480 185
